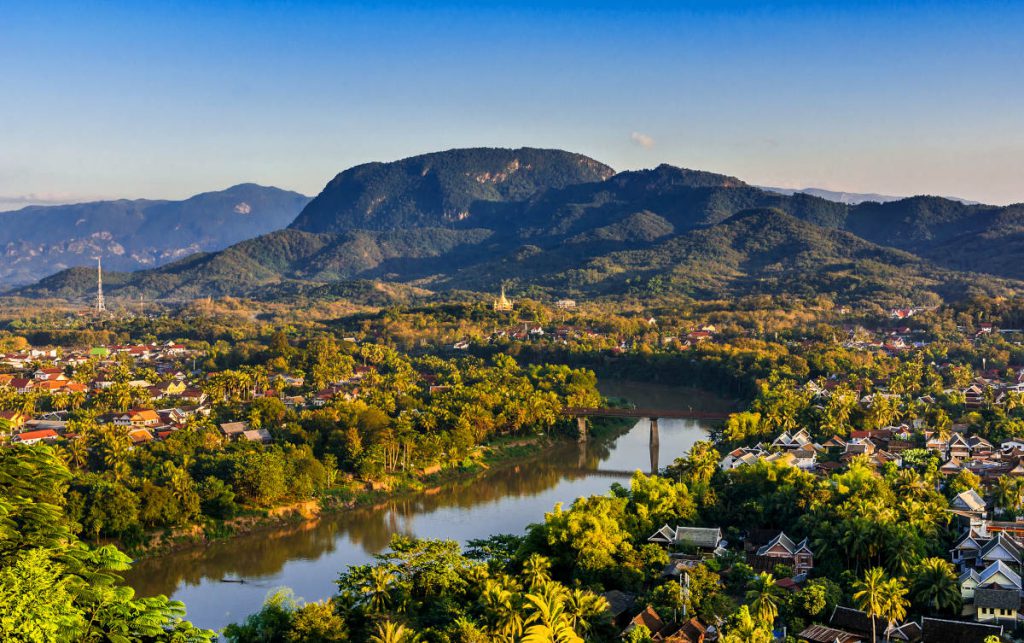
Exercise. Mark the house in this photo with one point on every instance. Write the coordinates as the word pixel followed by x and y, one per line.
pixel 1001 548
pixel 50 374
pixel 781 550
pixel 974 396
pixel 965 552
pixel 140 436
pixel 257 435
pixel 979 445
pixel 997 604
pixel 950 468
pixel 34 437
pixel 290 380
pixel 739 457
pixel 856 622
pixel 166 389
pixel 796 440
pixel 692 631
pixel 705 539
pixel 834 445
pixel 935 442
pixel 969 501
pixel 15 419
pixel 804 458
pixel 959 447
pixel 940 630
pixel 192 396
pixel 998 574
pixel 21 385
pixel 138 418
pixel 565 304
pixel 234 430
pixel 825 634
pixel 620 606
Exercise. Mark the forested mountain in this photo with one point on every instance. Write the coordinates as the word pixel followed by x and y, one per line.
pixel 131 234
pixel 566 224
pixel 441 188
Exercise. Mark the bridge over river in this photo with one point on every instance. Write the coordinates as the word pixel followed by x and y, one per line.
pixel 582 413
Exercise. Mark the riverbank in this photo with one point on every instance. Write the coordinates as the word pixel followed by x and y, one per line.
pixel 307 555
pixel 353 494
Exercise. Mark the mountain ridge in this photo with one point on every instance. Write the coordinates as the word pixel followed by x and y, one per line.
pixel 562 222
pixel 137 233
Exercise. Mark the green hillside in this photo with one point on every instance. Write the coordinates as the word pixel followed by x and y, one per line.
pixel 563 223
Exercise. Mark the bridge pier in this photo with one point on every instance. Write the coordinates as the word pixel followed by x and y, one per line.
pixel 654 432
pixel 654 458
pixel 581 426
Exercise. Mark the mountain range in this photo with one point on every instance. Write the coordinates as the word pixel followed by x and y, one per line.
pixel 37 241
pixel 557 223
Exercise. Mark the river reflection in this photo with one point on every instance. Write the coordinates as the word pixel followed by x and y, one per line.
pixel 308 557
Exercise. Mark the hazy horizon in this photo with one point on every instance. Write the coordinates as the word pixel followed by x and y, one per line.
pixel 152 101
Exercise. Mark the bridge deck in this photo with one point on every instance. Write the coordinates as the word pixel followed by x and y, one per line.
pixel 682 414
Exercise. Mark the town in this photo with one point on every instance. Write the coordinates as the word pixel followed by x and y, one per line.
pixel 870 404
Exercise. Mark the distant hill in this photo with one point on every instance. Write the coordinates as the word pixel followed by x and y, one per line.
pixel 851 198
pixel 564 223
pixel 131 234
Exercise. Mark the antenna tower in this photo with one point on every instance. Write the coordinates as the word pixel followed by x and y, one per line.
pixel 101 306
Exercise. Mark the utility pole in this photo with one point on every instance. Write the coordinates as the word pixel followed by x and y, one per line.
pixel 100 304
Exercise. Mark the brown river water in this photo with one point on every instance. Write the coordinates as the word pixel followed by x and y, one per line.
pixel 308 557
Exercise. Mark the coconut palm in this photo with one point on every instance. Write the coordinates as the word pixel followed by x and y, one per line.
pixel 502 610
pixel 377 589
pixel 763 595
pixel 935 586
pixel 871 596
pixel 548 621
pixel 388 632
pixel 76 452
pixel 1008 494
pixel 896 602
pixel 537 570
pixel 582 607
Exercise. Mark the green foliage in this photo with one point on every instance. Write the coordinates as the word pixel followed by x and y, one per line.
pixel 53 587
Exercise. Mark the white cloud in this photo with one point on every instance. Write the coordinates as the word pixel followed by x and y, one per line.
pixel 641 139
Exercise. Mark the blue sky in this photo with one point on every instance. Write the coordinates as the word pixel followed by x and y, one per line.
pixel 142 99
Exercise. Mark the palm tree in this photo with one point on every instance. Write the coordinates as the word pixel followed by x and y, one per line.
pixel 502 610
pixel 76 452
pixel 581 607
pixel 763 595
pixel 872 596
pixel 377 589
pixel 548 621
pixel 1007 494
pixel 537 570
pixel 76 399
pixel 388 632
pixel 896 602
pixel 935 586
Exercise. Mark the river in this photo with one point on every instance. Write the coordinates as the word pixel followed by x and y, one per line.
pixel 308 557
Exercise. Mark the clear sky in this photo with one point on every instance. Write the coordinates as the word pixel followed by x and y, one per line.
pixel 120 99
